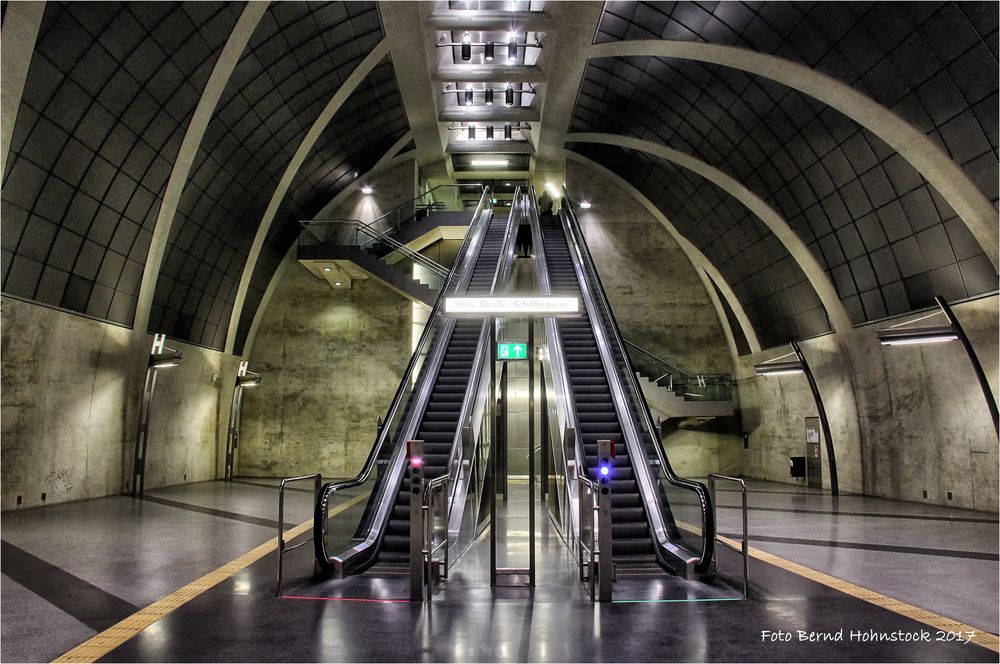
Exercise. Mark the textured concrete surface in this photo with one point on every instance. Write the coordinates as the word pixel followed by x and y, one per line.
pixel 659 303
pixel 331 360
pixel 905 419
pixel 70 399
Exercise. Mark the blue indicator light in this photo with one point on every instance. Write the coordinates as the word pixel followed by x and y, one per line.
pixel 605 470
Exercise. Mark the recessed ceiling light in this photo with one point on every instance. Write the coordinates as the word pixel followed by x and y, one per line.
pixel 489 162
pixel 367 189
pixel 327 269
pixel 585 205
pixel 338 283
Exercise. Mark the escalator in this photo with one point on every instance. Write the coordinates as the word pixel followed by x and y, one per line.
pixel 657 517
pixel 441 417
pixel 369 522
pixel 595 408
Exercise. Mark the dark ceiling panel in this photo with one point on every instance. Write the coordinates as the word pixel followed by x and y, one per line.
pixel 297 58
pixel 109 94
pixel 933 63
pixel 775 294
pixel 739 338
pixel 365 128
pixel 841 189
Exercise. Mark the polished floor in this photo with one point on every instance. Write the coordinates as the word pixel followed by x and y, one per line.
pixel 72 570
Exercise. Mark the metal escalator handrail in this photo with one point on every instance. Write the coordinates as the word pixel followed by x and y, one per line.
pixel 394 406
pixel 708 522
pixel 560 375
pixel 501 278
pixel 415 256
pixel 675 369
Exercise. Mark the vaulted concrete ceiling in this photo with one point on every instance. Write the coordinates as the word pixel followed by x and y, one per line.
pixel 826 164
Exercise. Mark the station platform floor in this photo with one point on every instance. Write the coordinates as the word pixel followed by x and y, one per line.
pixel 188 574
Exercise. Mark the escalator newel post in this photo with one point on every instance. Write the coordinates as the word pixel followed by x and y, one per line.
pixel 493 455
pixel 531 450
pixel 415 454
pixel 605 572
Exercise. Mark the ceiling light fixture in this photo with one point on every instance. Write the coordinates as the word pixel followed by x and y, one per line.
pixel 466 47
pixel 508 95
pixel 512 48
pixel 489 96
pixel 472 132
pixel 338 284
pixel 468 95
pixel 918 335
pixel 367 189
pixel 490 162
pixel 507 130
pixel 489 52
pixel 489 133
pixel 585 205
pixel 328 269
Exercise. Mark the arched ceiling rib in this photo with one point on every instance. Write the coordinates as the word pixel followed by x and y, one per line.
pixel 886 237
pixel 705 267
pixel 350 84
pixel 110 91
pixel 297 58
pixel 365 129
pixel 803 257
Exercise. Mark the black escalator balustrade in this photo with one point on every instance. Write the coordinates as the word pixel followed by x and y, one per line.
pixel 595 408
pixel 440 420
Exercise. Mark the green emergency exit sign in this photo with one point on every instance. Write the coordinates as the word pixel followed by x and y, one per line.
pixel 506 351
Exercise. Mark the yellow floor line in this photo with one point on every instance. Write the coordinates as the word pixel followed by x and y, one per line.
pixel 101 644
pixel 929 618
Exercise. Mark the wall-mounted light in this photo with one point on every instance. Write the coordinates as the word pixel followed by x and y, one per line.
pixel 512 48
pixel 507 131
pixel 489 52
pixel 466 47
pixel 489 96
pixel 508 95
pixel 244 378
pixel 489 133
pixel 327 269
pixel 585 205
pixel 367 189
pixel 900 335
pixel 338 284
pixel 472 132
pixel 468 95
pixel 777 367
pixel 160 357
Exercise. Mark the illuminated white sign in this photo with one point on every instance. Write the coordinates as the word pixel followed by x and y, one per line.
pixel 542 305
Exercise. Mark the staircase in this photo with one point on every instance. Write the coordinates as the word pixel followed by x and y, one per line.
pixel 673 393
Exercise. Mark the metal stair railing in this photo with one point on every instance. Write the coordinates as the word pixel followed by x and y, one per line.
pixel 712 386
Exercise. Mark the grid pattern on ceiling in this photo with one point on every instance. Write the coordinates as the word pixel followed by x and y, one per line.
pixel 297 58
pixel 739 338
pixel 369 123
pixel 778 300
pixel 887 238
pixel 933 63
pixel 109 94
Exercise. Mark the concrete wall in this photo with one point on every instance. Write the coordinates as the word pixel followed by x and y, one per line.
pixel 70 396
pixel 659 303
pixel 904 419
pixel 331 360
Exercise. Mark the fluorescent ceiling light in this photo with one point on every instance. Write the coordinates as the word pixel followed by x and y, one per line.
pixel 489 162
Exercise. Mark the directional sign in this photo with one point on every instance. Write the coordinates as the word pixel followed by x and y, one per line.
pixel 509 351
pixel 485 306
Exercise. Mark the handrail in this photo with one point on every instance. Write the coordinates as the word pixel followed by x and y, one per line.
pixel 745 547
pixel 615 337
pixel 317 478
pixel 416 256
pixel 370 462
pixel 398 207
pixel 560 375
pixel 676 369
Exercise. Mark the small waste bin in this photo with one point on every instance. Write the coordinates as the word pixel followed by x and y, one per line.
pixel 797 466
